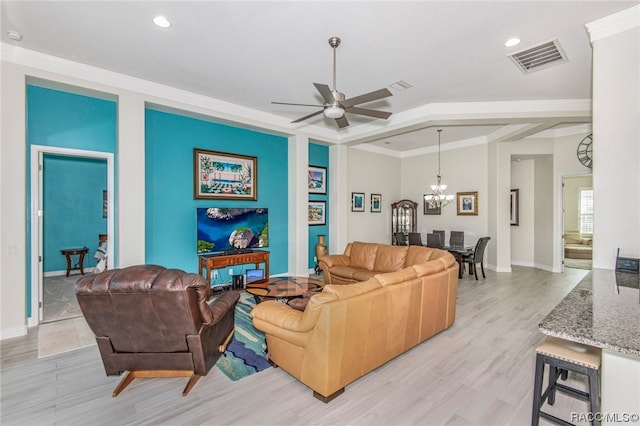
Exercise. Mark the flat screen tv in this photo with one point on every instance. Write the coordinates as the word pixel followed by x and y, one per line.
pixel 230 229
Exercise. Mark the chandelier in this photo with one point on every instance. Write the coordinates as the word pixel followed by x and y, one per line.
pixel 438 197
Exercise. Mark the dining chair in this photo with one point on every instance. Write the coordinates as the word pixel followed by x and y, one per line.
pixel 456 239
pixel 477 256
pixel 442 238
pixel 415 239
pixel 401 239
pixel 433 240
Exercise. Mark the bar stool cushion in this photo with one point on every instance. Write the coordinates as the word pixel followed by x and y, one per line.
pixel 572 352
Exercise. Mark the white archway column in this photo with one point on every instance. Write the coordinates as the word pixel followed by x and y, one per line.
pixel 338 198
pixel 130 233
pixel 298 205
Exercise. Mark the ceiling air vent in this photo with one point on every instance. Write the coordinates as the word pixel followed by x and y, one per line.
pixel 539 57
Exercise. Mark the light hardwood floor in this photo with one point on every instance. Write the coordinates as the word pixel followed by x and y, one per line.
pixel 480 372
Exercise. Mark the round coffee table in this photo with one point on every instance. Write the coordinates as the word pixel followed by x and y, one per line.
pixel 283 288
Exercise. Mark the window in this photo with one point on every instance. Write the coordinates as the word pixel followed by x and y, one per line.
pixel 586 210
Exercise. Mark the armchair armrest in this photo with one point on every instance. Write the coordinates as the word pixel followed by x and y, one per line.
pixel 334 260
pixel 224 303
pixel 279 315
pixel 286 323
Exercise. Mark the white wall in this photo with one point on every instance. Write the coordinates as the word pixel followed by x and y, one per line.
pixel 616 146
pixel 13 236
pixel 371 173
pixel 522 236
pixel 463 170
pixel 543 212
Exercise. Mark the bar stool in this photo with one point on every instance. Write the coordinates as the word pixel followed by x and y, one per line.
pixel 563 356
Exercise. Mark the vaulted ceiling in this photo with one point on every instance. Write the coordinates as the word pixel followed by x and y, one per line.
pixel 249 54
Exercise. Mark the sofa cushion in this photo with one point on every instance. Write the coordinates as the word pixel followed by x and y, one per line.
pixel 396 277
pixel 428 268
pixel 347 291
pixel 345 271
pixel 390 258
pixel 363 275
pixel 417 254
pixel 571 238
pixel 363 255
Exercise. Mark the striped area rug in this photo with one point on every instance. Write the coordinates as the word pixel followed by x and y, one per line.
pixel 246 354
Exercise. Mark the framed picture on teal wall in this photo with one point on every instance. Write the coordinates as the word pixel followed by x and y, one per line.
pixel 105 204
pixel 317 213
pixel 223 176
pixel 317 180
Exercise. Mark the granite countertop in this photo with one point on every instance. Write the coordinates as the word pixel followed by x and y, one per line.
pixel 603 310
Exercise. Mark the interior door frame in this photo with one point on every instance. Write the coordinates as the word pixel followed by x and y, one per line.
pixel 37 153
pixel 564 196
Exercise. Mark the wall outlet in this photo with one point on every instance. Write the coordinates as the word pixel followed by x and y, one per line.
pixel 230 271
pixel 215 274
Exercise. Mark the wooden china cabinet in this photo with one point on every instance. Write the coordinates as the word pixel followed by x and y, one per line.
pixel 403 218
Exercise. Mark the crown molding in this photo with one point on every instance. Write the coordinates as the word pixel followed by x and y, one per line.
pixel 614 24
pixel 87 78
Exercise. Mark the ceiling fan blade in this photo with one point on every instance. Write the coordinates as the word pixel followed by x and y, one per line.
pixel 369 112
pixel 308 116
pixel 325 92
pixel 288 103
pixel 342 122
pixel 367 97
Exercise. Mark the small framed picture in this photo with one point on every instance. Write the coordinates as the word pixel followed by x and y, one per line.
pixel 514 216
pixel 430 205
pixel 376 203
pixel 357 201
pixel 317 213
pixel 317 180
pixel 467 203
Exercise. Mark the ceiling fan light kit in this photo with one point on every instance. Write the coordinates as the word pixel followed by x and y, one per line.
pixel 333 111
pixel 336 104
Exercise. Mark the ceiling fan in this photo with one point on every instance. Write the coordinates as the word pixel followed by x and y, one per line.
pixel 335 103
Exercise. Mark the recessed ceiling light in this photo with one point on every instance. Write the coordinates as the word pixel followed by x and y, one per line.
pixel 14 35
pixel 161 21
pixel 512 42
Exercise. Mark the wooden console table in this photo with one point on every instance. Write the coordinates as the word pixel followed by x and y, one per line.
pixel 217 261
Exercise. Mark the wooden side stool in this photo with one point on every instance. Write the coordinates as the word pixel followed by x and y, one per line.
pixel 67 253
pixel 563 356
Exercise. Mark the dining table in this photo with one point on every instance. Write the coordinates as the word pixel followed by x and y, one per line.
pixel 458 252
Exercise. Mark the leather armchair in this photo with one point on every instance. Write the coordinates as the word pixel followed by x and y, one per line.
pixel 156 322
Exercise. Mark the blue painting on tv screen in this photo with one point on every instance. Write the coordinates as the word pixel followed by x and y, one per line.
pixel 224 229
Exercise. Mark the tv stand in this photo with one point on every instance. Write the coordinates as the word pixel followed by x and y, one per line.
pixel 218 261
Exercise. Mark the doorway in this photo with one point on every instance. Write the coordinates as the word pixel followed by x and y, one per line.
pixel 577 221
pixel 60 219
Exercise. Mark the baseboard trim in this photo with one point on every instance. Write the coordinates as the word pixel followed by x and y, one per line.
pixel 64 272
pixel 13 332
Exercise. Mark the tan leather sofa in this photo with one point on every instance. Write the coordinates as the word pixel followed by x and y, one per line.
pixel 361 261
pixel 347 331
pixel 577 245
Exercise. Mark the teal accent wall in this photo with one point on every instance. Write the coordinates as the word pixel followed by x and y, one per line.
pixel 72 201
pixel 170 207
pixel 62 119
pixel 319 156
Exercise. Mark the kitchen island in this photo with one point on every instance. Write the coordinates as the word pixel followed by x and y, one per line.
pixel 603 310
